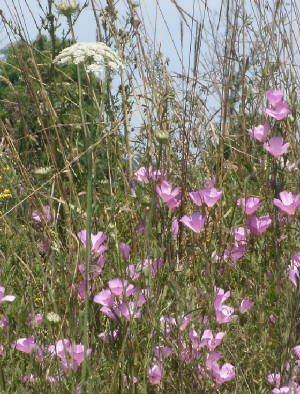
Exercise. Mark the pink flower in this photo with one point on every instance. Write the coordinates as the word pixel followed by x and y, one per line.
pixel 276 147
pixel 225 374
pixel 171 198
pixel 125 251
pixel 96 241
pixel 110 337
pixel 259 225
pixel 45 217
pixel 224 313
pixel 133 272
pixel 25 345
pixel 140 228
pixel 162 352
pixel 281 109
pixel 71 356
pixel 288 202
pixel 174 228
pixel 131 187
pixel 246 305
pixel 274 96
pixel 240 235
pixel 30 378
pixel 35 320
pixel 297 351
pixel 6 298
pixel 4 323
pixel 250 205
pixel 129 381
pixel 105 298
pixel 207 339
pixel 294 269
pixel 260 132
pixel 274 378
pixel 154 374
pixel 153 266
pixel 195 222
pixel 142 175
pixel 209 196
pixel 185 321
pixel 130 310
pixel 280 112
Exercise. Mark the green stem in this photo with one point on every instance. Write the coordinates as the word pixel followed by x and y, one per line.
pixel 89 202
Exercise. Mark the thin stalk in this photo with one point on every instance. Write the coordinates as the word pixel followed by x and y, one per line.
pixel 89 203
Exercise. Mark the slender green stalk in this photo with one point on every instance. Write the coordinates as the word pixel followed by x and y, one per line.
pixel 89 202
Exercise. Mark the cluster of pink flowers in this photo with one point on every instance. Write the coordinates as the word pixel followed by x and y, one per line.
pixel 71 356
pixel 116 301
pixel 292 386
pixel 276 146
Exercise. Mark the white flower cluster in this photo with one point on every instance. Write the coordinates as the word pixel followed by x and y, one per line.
pixel 67 8
pixel 93 54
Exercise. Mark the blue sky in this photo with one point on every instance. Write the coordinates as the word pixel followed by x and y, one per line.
pixel 161 13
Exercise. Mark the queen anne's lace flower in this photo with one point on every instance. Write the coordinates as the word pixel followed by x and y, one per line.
pixel 94 54
pixel 67 8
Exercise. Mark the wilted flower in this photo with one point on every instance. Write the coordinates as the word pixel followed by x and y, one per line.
pixel 46 216
pixel 94 54
pixel 174 228
pixel 125 250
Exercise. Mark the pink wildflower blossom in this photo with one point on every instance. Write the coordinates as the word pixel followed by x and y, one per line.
pixel 45 217
pixel 246 305
pixel 280 108
pixel 154 374
pixel 5 298
pixel 260 132
pixel 171 198
pixel 276 146
pixel 195 222
pixel 224 313
pixel 250 205
pixel 125 250
pixel 288 202
pixel 259 225
pixel 208 196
